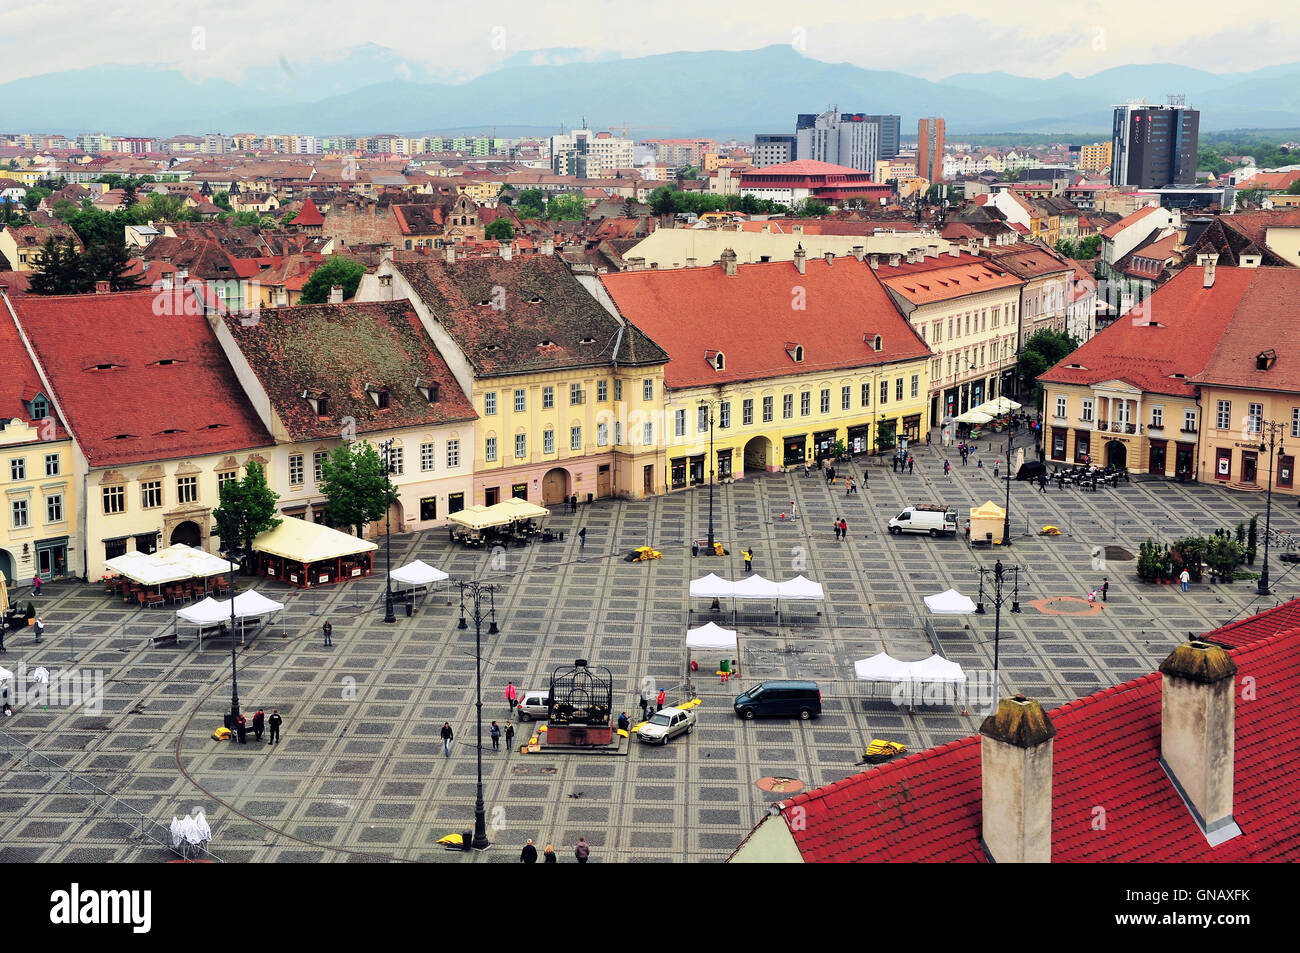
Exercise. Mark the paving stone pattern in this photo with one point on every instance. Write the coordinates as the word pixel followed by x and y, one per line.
pixel 361 776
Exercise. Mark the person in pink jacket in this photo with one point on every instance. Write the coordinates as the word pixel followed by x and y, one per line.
pixel 512 696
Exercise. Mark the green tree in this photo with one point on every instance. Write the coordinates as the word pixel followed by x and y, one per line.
pixel 1250 197
pixel 11 212
pixel 247 509
pixel 60 270
pixel 287 218
pixel 1089 248
pixel 500 229
pixel 1067 248
pixel 531 203
pixel 1044 349
pixel 355 485
pixel 566 207
pixel 222 200
pixel 629 207
pixel 810 208
pixel 336 271
pixel 34 196
pixel 111 262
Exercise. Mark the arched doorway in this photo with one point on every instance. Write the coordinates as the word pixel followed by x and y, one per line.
pixel 1117 455
pixel 393 522
pixel 555 486
pixel 187 533
pixel 7 567
pixel 758 453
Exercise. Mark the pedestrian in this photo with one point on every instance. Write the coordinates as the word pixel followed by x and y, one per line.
pixel 836 526
pixel 660 699
pixel 328 630
pixel 512 697
pixel 947 468
pixel 495 733
pixel 36 585
pixel 997 570
pixel 964 455
pixel 548 855
pixel 848 486
pixel 259 724
pixel 510 737
pixel 1092 595
pixel 447 737
pixel 38 629
pixel 1105 588
pixel 582 539
pixel 794 510
pixel 749 559
pixel 844 529
pixel 2 637
pixel 645 706
pixel 529 854
pixel 582 851
pixel 241 728
pixel 894 462
pixel 274 724
pixel 623 722
pixel 911 463
pixel 1042 483
pixel 996 465
pixel 927 438
pixel 979 464
pixel 1184 578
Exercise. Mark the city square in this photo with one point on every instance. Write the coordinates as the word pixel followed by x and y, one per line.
pixel 361 775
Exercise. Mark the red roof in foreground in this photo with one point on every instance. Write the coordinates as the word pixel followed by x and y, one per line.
pixel 138 410
pixel 927 807
pixel 19 383
pixel 1189 324
pixel 694 312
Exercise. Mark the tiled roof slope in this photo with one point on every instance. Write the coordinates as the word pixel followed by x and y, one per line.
pixel 1190 322
pixel 543 303
pixel 927 807
pixel 748 317
pixel 19 383
pixel 1266 317
pixel 139 410
pixel 338 349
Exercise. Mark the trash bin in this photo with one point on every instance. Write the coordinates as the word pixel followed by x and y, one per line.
pixel 410 609
pixel 466 840
pixel 590 497
pixel 225 720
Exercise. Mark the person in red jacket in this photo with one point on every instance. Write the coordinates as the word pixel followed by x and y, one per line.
pixel 512 696
pixel 660 699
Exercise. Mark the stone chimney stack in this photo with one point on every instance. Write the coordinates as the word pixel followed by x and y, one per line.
pixel 506 251
pixel 858 252
pixel 1197 738
pixel 102 287
pixel 386 253
pixel 874 261
pixel 829 256
pixel 690 262
pixel 895 259
pixel 548 246
pixel 1210 262
pixel 1016 776
pixel 728 260
pixel 336 294
pixel 932 251
pixel 451 254
pixel 800 258
pixel 954 251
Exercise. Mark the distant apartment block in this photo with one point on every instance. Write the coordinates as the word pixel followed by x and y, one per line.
pixel 1155 146
pixel 845 139
pixel 929 149
pixel 774 148
pixel 586 154
pixel 1096 157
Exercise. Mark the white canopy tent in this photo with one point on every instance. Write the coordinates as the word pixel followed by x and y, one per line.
pixel 415 576
pixel 881 667
pixel 711 637
pixel 950 602
pixel 998 405
pixel 712 586
pixel 213 612
pixel 196 561
pixel 973 417
pixel 798 589
pixel 147 569
pixel 934 669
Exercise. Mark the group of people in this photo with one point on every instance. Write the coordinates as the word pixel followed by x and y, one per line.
pixel 841 528
pixel 904 461
pixel 581 851
pixel 660 701
pixel 260 724
pixel 850 486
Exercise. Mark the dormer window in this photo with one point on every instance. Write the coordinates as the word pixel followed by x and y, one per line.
pixel 1265 360
pixel 379 394
pixel 795 351
pixel 429 391
pixel 546 342
pixel 717 359
pixel 319 401
pixel 40 407
pixel 535 299
pixel 587 341
pixel 492 348
pixel 167 362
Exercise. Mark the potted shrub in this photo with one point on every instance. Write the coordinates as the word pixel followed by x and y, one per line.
pixel 31 613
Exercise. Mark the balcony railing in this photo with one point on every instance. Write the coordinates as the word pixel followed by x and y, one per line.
pixel 1103 425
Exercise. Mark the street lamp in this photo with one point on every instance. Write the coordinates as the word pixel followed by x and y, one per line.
pixel 708 405
pixel 998 597
pixel 232 553
pixel 1273 429
pixel 476 592
pixel 387 447
pixel 1006 530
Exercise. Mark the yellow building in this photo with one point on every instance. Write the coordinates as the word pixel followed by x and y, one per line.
pixel 773 365
pixel 1095 158
pixel 565 394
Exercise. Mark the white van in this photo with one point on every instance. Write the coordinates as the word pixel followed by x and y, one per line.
pixel 927 518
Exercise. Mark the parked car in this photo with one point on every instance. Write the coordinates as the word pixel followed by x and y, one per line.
pixel 534 706
pixel 665 724
pixel 780 699
pixel 929 518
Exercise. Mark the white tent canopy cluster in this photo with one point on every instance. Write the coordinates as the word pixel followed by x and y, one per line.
pixel 176 563
pixel 210 612
pixel 883 667
pixel 416 574
pixel 190 833
pixel 799 588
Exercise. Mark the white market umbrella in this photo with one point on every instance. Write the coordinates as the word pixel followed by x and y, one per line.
pixel 998 405
pixel 973 417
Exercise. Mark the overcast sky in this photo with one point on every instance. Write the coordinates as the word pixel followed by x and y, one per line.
pixel 221 38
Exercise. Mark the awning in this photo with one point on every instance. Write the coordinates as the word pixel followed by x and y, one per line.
pixel 996 406
pixel 418 573
pixel 145 569
pixel 522 510
pixel 973 417
pixel 711 636
pixel 950 602
pixel 195 561
pixel 305 542
pixel 479 516
pixel 988 510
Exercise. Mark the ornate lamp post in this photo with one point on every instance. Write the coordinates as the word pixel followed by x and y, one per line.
pixel 387 447
pixel 1006 529
pixel 1275 448
pixel 709 408
pixel 233 553
pixel 998 597
pixel 476 592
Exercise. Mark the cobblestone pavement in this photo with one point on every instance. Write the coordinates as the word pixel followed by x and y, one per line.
pixel 360 774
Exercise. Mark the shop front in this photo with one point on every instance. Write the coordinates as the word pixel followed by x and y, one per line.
pixel 1184 461
pixel 1082 445
pixel 859 439
pixel 795 450
pixel 52 558
pixel 822 442
pixel 1157 457
pixel 724 464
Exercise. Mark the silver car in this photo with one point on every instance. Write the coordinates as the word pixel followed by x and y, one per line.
pixel 534 706
pixel 666 724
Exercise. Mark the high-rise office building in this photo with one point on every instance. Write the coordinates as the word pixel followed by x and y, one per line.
pixel 1155 146
pixel 929 149
pixel 773 149
pixel 889 134
pixel 846 139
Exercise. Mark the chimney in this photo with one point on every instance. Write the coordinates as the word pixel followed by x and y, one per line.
pixel 451 254
pixel 386 253
pixel 101 287
pixel 1197 741
pixel 281 297
pixel 180 278
pixel 1016 778
pixel 728 260
pixel 548 246
pixel 505 250
pixel 874 261
pixel 797 229
pixel 1210 262
pixel 932 251
pixel 800 257
pixel 859 252
pixel 986 241
pixel 955 251
pixel 690 262
pixel 336 294
pixel 829 256
pixel 895 259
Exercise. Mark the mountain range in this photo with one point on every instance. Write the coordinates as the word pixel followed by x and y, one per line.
pixel 370 89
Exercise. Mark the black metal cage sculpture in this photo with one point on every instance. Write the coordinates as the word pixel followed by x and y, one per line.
pixel 581 695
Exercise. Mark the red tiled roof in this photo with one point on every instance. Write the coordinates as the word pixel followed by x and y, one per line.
pixel 1264 317
pixel 805 167
pixel 928 806
pixel 1189 323
pixel 1271 181
pixel 189 408
pixel 749 319
pixel 1112 230
pixel 945 277
pixel 310 215
pixel 19 383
